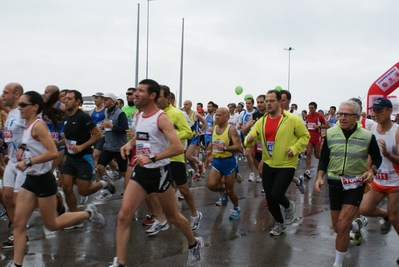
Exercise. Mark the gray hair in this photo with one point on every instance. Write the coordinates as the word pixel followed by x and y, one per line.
pixel 356 108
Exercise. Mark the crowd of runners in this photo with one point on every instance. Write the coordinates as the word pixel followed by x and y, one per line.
pixel 54 155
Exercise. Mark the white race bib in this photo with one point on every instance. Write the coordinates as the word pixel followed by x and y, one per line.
pixel 69 145
pixel 351 182
pixel 143 148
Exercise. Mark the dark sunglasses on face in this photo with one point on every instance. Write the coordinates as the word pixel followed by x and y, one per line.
pixel 23 105
pixel 129 93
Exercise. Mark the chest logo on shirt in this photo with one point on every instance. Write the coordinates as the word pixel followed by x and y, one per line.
pixel 143 136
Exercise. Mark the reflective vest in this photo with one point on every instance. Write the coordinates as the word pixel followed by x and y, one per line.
pixel 347 157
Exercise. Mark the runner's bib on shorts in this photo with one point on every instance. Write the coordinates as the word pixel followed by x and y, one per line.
pixel 351 182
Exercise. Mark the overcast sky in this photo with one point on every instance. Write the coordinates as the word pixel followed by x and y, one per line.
pixel 341 47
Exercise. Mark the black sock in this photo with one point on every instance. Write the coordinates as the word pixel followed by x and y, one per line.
pixel 386 219
pixel 195 244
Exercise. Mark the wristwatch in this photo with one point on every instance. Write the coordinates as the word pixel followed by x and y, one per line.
pixel 27 162
pixel 224 149
pixel 152 157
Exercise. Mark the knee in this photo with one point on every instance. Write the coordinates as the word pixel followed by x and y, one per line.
pixel 123 218
pixel 100 168
pixel 343 226
pixel 184 189
pixel 393 216
pixel 8 198
pixel 67 186
pixel 50 226
pixel 211 185
pixel 365 211
pixel 172 218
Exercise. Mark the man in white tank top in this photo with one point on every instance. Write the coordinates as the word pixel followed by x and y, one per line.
pixel 156 141
pixel 386 181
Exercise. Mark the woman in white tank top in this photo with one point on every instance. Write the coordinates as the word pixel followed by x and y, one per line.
pixel 35 156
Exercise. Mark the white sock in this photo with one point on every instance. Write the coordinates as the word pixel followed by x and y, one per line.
pixel 355 226
pixel 339 258
pixel 104 183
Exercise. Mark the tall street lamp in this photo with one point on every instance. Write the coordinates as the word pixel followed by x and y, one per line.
pixel 148 34
pixel 289 49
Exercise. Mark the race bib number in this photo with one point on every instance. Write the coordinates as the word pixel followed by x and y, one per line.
pixel 143 148
pixel 54 136
pixel 384 176
pixel 130 123
pixel 27 154
pixel 217 142
pixel 209 128
pixel 270 146
pixel 311 126
pixel 7 134
pixel 70 144
pixel 351 182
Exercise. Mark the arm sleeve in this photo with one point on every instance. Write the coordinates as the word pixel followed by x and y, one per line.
pixel 122 124
pixel 374 152
pixel 324 157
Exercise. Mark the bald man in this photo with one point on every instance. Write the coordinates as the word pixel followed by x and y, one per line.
pixel 51 93
pixel 13 130
pixel 225 142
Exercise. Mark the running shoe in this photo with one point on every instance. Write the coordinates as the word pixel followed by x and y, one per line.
pixel 194 254
pixel 195 221
pixel 115 175
pixel 245 159
pixel 83 200
pixel 201 168
pixel 385 226
pixel 116 263
pixel 10 242
pixel 110 187
pixel 357 237
pixel 75 225
pixel 239 178
pixel 289 213
pixel 278 229
pixel 150 219
pixel 301 185
pixel 307 174
pixel 95 216
pixel 157 226
pixel 251 177
pixel 224 199
pixel 235 213
pixel 219 202
pixel 197 177
pixel 103 195
pixel 365 221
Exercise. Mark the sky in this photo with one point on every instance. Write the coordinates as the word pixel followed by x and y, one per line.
pixel 340 47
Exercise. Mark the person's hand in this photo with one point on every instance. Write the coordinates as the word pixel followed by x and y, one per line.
pixel 290 153
pixel 125 150
pixel 318 184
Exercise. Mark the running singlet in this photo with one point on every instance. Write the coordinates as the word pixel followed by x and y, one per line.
pixel 150 139
pixel 387 173
pixel 34 148
pixel 13 131
pixel 98 116
pixel 209 125
pixel 314 119
pixel 271 127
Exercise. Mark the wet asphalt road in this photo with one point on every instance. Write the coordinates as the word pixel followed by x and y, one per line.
pixel 309 242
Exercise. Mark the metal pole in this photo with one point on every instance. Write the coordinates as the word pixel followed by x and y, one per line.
pixel 137 46
pixel 289 64
pixel 148 34
pixel 181 65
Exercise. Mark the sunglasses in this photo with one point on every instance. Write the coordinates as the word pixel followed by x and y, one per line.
pixel 23 105
pixel 129 93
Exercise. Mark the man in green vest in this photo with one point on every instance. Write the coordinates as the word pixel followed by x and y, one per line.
pixel 344 160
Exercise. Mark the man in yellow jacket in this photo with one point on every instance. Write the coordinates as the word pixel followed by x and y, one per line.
pixel 283 136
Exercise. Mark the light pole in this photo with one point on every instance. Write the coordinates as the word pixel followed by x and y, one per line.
pixel 148 34
pixel 289 49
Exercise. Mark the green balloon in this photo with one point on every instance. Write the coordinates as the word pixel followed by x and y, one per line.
pixel 278 88
pixel 248 96
pixel 239 90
